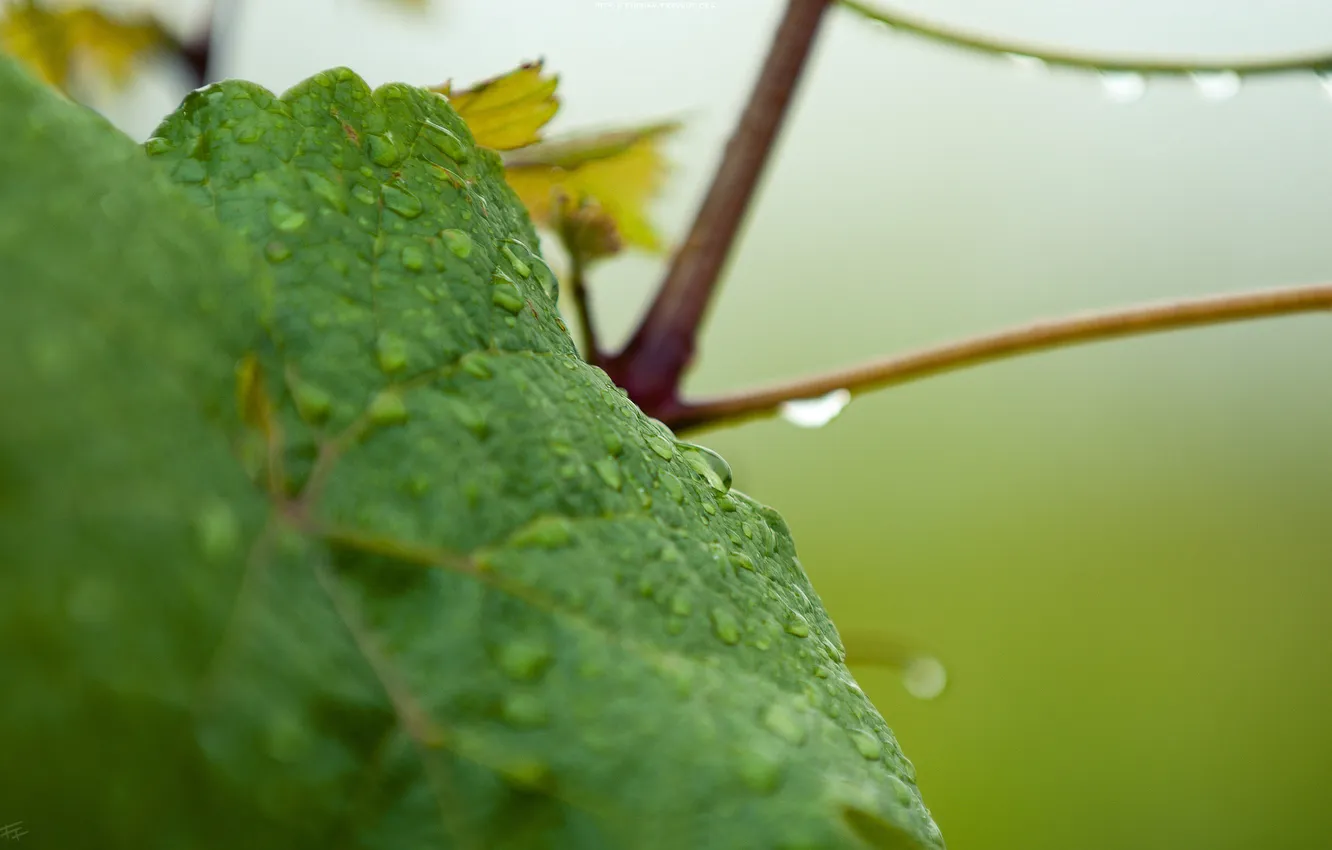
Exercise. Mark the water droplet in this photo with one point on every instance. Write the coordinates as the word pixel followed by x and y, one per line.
pixel 391 351
pixel 525 710
pixel 285 217
pixel 413 258
pixel 924 677
pixel 680 604
pixel 156 146
pixel 276 251
pixel 544 533
pixel 816 412
pixel 785 723
pixel 324 188
pixel 190 171
pixel 725 626
pixel 475 365
pixel 709 508
pixel 458 242
pixel 363 194
pixel 866 744
pixel 609 471
pixel 522 269
pixel 711 466
pixel 660 446
pixel 401 201
pixel 248 134
pixel 1025 62
pixel 218 529
pixel 760 768
pixel 470 416
pixel 445 140
pixel 507 297
pixel 1325 79
pixel 382 149
pixel 741 561
pixel 388 408
pixel 1217 85
pixel 1123 86
pixel 728 505
pixel 796 624
pixel 546 277
pixel 524 659
pixel 673 487
pixel 312 403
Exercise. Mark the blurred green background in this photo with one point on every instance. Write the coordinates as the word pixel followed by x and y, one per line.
pixel 1121 552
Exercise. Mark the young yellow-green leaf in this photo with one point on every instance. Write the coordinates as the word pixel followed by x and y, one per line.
pixel 507 111
pixel 494 605
pixel 620 171
pixel 48 41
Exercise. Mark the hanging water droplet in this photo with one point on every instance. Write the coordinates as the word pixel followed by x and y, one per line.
pixel 458 242
pixel 815 412
pixel 1217 85
pixel 1123 86
pixel 1325 80
pixel 1025 62
pixel 711 466
pixel 924 677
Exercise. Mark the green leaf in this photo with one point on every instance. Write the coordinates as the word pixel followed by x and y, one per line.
pixel 493 605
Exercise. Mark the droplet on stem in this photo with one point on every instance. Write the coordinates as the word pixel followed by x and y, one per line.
pixel 1025 62
pixel 815 412
pixel 924 677
pixel 1123 86
pixel 1217 85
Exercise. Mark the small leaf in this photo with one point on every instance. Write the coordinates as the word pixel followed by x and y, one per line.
pixel 508 111
pixel 48 41
pixel 620 171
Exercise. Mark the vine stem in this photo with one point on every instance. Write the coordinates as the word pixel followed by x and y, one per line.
pixel 1024 339
pixel 662 347
pixel 908 22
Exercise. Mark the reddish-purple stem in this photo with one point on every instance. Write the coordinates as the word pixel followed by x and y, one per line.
pixel 652 364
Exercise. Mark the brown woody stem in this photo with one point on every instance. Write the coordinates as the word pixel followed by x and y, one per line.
pixel 651 365
pixel 1025 339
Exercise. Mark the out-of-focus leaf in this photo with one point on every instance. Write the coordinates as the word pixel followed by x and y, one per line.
pixel 507 111
pixel 621 171
pixel 48 41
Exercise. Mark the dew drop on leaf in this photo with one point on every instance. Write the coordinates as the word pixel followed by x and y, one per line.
pixel 816 412
pixel 363 194
pixel 659 445
pixel 784 722
pixel 796 624
pixel 866 744
pixel 413 258
pixel 523 659
pixel 458 242
pixel 524 710
pixel 156 146
pixel 1123 86
pixel 382 150
pixel 391 352
pixel 522 269
pixel 1217 85
pixel 218 530
pixel 924 677
pixel 388 408
pixel 285 217
pixel 725 626
pixel 711 466
pixel 506 296
pixel 276 251
pixel 445 140
pixel 401 201
pixel 609 472
pixel 760 768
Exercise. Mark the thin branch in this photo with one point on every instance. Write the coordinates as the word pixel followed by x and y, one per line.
pixel 913 24
pixel 1025 339
pixel 582 303
pixel 663 345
